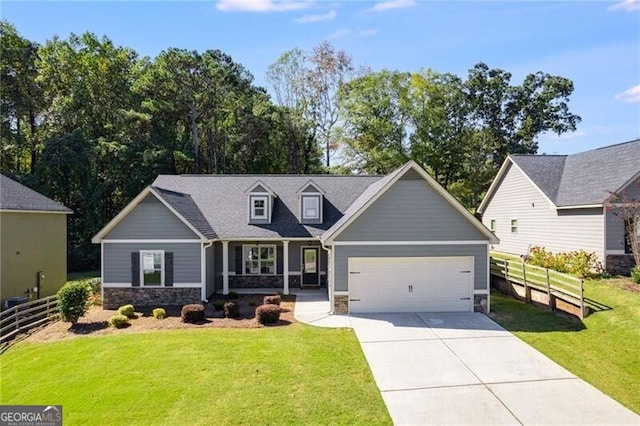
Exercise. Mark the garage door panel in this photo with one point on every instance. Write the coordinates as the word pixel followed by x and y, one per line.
pixel 421 284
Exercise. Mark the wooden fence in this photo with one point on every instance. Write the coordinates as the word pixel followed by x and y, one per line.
pixel 541 285
pixel 20 318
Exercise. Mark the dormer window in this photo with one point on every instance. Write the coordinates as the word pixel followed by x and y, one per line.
pixel 311 197
pixel 259 207
pixel 260 203
pixel 311 207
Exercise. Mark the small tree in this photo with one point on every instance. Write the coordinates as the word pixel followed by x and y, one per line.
pixel 627 208
pixel 73 301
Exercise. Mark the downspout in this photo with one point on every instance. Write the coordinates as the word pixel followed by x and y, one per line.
pixel 330 272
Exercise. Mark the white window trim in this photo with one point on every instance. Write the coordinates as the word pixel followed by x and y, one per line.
pixel 511 226
pixel 162 266
pixel 493 225
pixel 259 246
pixel 318 201
pixel 265 199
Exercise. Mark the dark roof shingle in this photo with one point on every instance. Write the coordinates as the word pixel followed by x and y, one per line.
pixel 16 196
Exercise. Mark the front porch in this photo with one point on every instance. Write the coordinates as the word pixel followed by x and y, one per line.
pixel 279 265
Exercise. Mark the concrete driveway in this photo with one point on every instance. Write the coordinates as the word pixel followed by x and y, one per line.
pixel 463 368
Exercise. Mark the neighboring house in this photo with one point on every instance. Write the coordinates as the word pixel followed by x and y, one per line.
pixel 379 244
pixel 33 243
pixel 562 202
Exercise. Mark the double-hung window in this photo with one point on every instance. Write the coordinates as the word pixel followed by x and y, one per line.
pixel 152 268
pixel 311 207
pixel 514 226
pixel 259 259
pixel 259 208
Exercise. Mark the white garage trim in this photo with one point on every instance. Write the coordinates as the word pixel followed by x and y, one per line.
pixel 409 243
pixel 411 284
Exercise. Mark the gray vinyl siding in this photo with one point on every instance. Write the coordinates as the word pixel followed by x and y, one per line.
pixel 151 220
pixel 295 253
pixel 411 211
pixel 186 261
pixel 539 223
pixel 615 232
pixel 343 253
pixel 210 256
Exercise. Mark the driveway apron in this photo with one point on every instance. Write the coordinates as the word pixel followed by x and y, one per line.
pixel 463 368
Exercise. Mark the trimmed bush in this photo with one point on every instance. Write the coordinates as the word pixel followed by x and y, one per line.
pixel 192 313
pixel 580 263
pixel 231 310
pixel 119 321
pixel 232 295
pixel 635 274
pixel 268 314
pixel 73 301
pixel 218 305
pixel 127 310
pixel 272 300
pixel 159 313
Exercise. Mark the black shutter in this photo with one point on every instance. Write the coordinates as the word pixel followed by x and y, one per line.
pixel 135 269
pixel 239 260
pixel 279 259
pixel 168 269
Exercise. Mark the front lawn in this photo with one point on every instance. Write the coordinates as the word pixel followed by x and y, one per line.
pixel 603 349
pixel 293 375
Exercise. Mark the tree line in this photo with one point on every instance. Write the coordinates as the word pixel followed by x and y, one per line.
pixel 90 124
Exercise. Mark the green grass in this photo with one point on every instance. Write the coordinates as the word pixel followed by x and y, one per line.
pixel 78 276
pixel 603 349
pixel 290 375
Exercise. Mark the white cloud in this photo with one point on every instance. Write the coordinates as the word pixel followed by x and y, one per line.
pixel 306 19
pixel 627 5
pixel 367 33
pixel 260 5
pixel 340 33
pixel 383 6
pixel 630 95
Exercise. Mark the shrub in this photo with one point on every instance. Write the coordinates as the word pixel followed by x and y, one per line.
pixel 232 295
pixel 218 305
pixel 119 321
pixel 192 313
pixel 231 310
pixel 268 314
pixel 159 313
pixel 579 262
pixel 73 301
pixel 127 310
pixel 635 274
pixel 252 303
pixel 272 300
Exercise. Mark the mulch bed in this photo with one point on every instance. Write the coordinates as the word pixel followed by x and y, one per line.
pixel 96 321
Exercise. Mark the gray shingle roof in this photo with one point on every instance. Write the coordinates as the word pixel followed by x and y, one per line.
pixel 184 204
pixel 15 196
pixel 222 201
pixel 585 178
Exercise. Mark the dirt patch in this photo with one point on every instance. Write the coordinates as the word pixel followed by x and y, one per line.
pixel 96 321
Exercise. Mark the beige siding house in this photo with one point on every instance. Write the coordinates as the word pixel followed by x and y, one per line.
pixel 563 202
pixel 33 243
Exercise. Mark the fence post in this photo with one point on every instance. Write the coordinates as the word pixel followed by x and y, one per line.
pixel 581 299
pixel 527 290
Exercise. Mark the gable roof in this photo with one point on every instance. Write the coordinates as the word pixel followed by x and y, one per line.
pixel 583 179
pixel 375 190
pixel 222 201
pixel 15 196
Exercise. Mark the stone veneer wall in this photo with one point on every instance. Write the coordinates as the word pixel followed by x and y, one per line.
pixel 267 281
pixel 620 264
pixel 114 297
pixel 481 303
pixel 340 305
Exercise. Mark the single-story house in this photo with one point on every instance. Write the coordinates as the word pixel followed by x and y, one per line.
pixel 33 242
pixel 564 203
pixel 377 243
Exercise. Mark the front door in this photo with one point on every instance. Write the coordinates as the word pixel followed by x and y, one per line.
pixel 310 270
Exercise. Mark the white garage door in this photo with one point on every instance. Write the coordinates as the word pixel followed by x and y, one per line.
pixel 411 284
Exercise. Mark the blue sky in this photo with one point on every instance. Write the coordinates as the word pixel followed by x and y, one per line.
pixel 595 44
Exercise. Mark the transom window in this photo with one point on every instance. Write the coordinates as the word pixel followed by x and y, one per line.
pixel 311 207
pixel 152 268
pixel 259 259
pixel 514 226
pixel 258 207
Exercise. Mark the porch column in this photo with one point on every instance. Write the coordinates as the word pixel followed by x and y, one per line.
pixel 285 266
pixel 225 267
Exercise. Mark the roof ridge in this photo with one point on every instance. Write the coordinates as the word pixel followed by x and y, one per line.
pixel 198 175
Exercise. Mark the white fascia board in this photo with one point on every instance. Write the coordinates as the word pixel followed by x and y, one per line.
pixel 624 186
pixel 585 206
pixel 35 211
pixel 312 183
pixel 494 184
pixel 270 191
pixel 411 243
